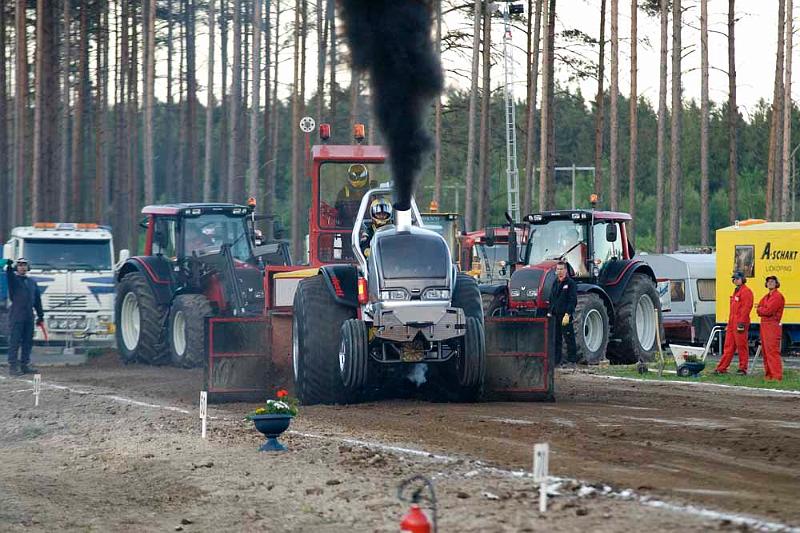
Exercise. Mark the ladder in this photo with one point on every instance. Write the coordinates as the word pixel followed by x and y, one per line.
pixel 512 170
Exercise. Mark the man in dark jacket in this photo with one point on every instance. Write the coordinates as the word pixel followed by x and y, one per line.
pixel 563 299
pixel 25 298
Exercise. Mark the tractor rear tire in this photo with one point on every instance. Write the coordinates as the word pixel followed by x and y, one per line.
pixel 354 356
pixel 591 329
pixel 467 296
pixel 187 330
pixel 316 339
pixel 635 324
pixel 141 333
pixel 470 365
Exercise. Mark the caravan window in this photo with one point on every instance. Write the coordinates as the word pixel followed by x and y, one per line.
pixel 707 290
pixel 677 291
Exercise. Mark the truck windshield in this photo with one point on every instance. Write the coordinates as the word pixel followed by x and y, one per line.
pixel 207 233
pixel 68 254
pixel 556 238
pixel 341 188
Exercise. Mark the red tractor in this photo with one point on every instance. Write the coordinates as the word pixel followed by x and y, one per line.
pixel 618 311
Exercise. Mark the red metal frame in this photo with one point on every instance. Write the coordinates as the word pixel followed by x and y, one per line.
pixel 230 355
pixel 541 355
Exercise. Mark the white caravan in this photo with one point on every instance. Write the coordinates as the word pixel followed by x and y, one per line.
pixel 74 267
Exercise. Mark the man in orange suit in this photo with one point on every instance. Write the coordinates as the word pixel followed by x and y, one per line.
pixel 738 325
pixel 770 309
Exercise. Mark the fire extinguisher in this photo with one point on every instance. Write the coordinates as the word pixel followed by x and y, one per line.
pixel 415 520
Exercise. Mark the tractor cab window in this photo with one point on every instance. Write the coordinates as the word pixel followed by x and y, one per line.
pixel 164 241
pixel 207 233
pixel 559 238
pixel 604 250
pixel 341 188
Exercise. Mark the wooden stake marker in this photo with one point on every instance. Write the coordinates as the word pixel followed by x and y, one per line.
pixel 203 412
pixel 541 458
pixel 37 388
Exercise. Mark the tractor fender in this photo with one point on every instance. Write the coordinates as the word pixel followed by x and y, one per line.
pixel 342 282
pixel 583 288
pixel 156 270
pixel 617 274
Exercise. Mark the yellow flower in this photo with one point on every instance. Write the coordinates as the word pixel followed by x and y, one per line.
pixel 260 411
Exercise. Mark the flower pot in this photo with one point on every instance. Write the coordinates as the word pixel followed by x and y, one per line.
pixel 272 426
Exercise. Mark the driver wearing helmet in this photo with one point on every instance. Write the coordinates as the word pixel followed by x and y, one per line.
pixel 198 238
pixel 380 213
pixel 348 200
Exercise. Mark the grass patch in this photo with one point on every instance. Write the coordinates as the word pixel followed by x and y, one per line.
pixel 791 378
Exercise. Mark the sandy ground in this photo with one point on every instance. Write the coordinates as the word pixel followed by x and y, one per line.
pixel 89 459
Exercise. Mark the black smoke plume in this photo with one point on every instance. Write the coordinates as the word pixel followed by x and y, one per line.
pixel 391 41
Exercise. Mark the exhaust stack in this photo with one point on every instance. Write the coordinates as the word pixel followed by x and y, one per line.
pixel 403 220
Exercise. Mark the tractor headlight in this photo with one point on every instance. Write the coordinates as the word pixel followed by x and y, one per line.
pixel 436 294
pixel 515 293
pixel 394 294
pixel 532 293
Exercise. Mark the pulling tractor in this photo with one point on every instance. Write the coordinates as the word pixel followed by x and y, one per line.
pixel 618 310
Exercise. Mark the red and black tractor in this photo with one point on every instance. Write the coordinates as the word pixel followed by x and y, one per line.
pixel 199 261
pixel 618 309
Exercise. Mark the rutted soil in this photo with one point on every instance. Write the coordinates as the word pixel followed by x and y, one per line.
pixel 85 459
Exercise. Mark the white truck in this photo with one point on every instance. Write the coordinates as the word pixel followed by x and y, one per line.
pixel 74 267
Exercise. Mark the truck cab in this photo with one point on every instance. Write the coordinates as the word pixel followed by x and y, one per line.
pixel 73 265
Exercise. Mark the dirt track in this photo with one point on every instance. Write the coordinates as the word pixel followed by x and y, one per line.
pixel 92 461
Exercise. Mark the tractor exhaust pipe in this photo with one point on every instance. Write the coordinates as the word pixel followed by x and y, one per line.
pixel 403 220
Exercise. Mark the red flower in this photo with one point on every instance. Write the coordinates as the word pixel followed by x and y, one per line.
pixel 283 393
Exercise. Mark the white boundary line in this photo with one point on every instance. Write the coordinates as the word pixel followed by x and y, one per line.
pixel 586 488
pixel 700 384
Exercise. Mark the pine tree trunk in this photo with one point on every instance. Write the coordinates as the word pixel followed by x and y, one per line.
pixel 253 188
pixel 787 113
pixel 614 119
pixel 194 191
pixel 224 131
pixel 437 112
pixel 355 95
pixel 78 129
pixel 180 159
pixel 64 122
pixel 149 87
pixel 272 175
pixel 322 54
pixel 235 182
pixel 45 162
pixel 733 116
pixel 529 184
pixel 208 156
pixel 675 170
pixel 297 239
pixel 634 120
pixel 101 105
pixel 547 156
pixel 5 182
pixel 267 102
pixel 704 195
pixel 121 201
pixel 775 155
pixel 473 107
pixel 334 88
pixel 170 163
pixel 661 149
pixel 20 111
pixel 484 179
pixel 599 105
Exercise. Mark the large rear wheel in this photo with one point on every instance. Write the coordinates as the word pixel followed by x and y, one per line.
pixel 470 365
pixel 316 341
pixel 141 335
pixel 638 318
pixel 591 329
pixel 187 330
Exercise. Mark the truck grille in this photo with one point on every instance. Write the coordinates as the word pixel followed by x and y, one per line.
pixel 65 301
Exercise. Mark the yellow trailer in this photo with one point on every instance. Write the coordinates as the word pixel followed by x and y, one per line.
pixel 760 249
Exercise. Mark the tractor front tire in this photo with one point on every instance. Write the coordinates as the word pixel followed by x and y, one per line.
pixel 467 296
pixel 316 340
pixel 354 357
pixel 591 329
pixel 187 330
pixel 636 322
pixel 470 365
pixel 141 335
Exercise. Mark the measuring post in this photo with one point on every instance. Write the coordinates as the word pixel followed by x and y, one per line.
pixel 37 387
pixel 541 458
pixel 203 411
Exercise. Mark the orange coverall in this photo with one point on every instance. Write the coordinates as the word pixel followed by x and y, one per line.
pixel 736 341
pixel 770 309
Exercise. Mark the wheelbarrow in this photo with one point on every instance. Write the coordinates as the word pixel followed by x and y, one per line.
pixel 691 360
